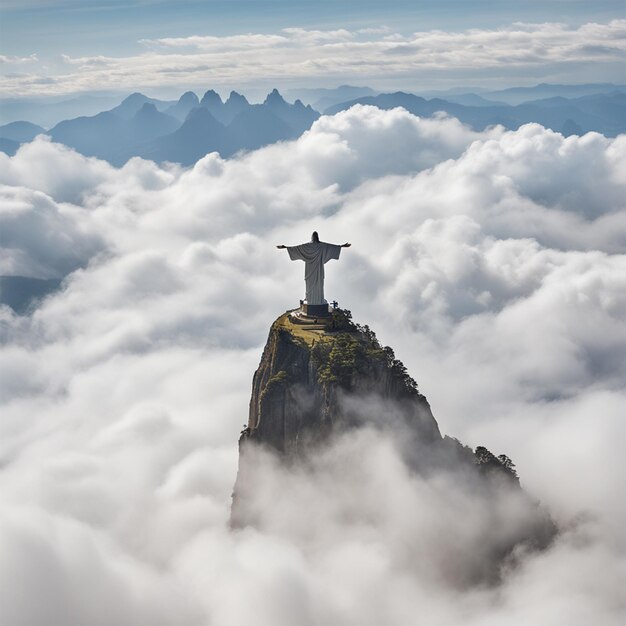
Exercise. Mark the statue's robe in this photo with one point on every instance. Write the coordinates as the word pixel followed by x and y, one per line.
pixel 314 254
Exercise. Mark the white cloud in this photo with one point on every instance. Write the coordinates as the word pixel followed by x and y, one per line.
pixel 492 263
pixel 17 60
pixel 375 55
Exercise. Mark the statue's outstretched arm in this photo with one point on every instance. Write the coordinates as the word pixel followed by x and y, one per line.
pixel 281 247
pixel 346 245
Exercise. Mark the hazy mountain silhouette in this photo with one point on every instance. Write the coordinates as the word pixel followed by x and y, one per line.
pixel 102 135
pixel 8 146
pixel 603 109
pixel 50 111
pixel 570 127
pixel 200 134
pixel 519 95
pixel 146 125
pixel 469 99
pixel 224 112
pixel 112 135
pixel 235 105
pixel 321 98
pixel 212 101
pixel 185 103
pixel 185 131
pixel 412 103
pixel 16 133
pixel 603 113
pixel 21 132
pixel 255 127
pixel 131 105
pixel 296 115
pixel 476 96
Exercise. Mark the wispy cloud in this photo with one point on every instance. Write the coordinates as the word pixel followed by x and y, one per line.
pixel 16 60
pixel 375 54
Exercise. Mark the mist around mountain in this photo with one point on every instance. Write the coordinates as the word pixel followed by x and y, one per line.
pixel 519 95
pixel 110 135
pixel 21 132
pixel 184 131
pixel 322 98
pixel 48 111
pixel 317 383
pixel 14 134
pixel 603 113
pixel 181 109
pixel 130 106
pixel 8 146
pixel 468 99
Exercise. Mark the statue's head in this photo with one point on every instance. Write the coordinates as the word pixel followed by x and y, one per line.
pixel 315 237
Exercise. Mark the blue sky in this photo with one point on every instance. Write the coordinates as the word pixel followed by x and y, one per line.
pixel 115 26
pixel 40 40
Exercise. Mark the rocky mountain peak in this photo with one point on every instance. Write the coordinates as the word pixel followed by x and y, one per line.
pixel 235 97
pixel 327 366
pixel 318 381
pixel 134 98
pixel 274 98
pixel 211 97
pixel 189 98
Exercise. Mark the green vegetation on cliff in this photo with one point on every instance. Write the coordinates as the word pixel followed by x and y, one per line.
pixel 489 463
pixel 344 350
pixel 319 360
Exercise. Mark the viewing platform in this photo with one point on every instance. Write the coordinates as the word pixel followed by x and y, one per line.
pixel 313 315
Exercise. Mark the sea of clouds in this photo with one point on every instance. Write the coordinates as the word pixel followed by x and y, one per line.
pixel 491 262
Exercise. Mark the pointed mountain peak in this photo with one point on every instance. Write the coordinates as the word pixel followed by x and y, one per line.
pixel 134 97
pixel 274 98
pixel 211 97
pixel 189 98
pixel 236 97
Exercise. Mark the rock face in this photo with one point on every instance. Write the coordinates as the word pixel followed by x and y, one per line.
pixel 321 381
pixel 318 380
pixel 313 382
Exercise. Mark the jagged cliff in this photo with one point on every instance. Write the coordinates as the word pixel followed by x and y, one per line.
pixel 313 380
pixel 317 381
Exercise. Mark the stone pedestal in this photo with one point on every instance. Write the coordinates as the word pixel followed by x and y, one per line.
pixel 315 310
pixel 312 315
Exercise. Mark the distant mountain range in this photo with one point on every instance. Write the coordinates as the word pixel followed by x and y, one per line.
pixel 16 133
pixel 49 111
pixel 184 131
pixel 603 113
pixel 321 99
pixel 520 95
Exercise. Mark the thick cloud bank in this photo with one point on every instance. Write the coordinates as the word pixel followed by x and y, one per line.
pixel 492 263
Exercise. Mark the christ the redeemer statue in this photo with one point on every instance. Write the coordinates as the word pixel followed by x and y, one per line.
pixel 315 254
